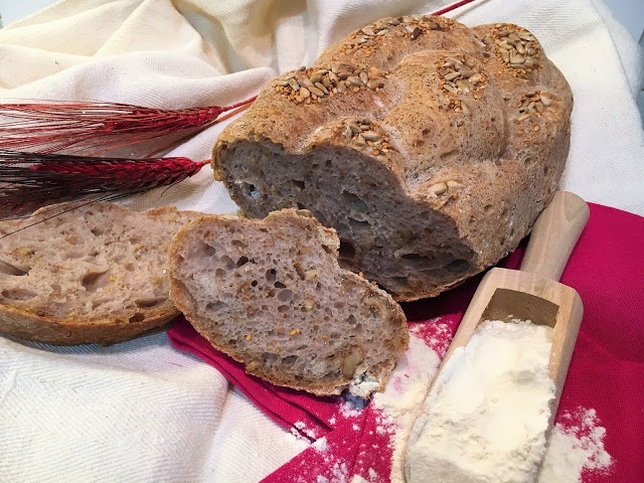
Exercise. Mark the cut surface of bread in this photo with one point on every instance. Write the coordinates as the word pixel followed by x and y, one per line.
pixel 429 146
pixel 271 294
pixel 95 273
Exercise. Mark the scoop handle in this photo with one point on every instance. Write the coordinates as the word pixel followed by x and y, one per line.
pixel 555 234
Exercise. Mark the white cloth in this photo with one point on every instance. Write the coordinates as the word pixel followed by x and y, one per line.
pixel 142 411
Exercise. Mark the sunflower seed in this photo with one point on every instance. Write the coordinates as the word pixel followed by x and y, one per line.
pixel 516 58
pixel 505 55
pixel 367 31
pixel 347 134
pixel 525 36
pixel 452 75
pixel 355 129
pixel 465 108
pixel 520 48
pixel 416 33
pixel 293 83
pixel 475 78
pixel 450 88
pixel 467 72
pixel 354 81
pixel 314 90
pixel 304 92
pixel 374 84
pixel 305 82
pixel 438 188
pixel 529 62
pixel 320 86
pixel 372 136
pixel 453 184
pixel 545 100
pixel 523 117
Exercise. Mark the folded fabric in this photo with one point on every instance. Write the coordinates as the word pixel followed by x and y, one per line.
pixel 605 379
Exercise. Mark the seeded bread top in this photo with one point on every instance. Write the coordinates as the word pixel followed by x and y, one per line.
pixel 458 118
pixel 377 89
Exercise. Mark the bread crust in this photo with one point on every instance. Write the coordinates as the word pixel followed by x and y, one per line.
pixel 432 152
pixel 46 297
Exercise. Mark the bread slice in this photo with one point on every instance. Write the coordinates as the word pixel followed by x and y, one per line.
pixel 429 146
pixel 95 273
pixel 270 293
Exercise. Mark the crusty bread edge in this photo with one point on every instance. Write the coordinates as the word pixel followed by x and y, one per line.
pixel 28 326
pixel 184 301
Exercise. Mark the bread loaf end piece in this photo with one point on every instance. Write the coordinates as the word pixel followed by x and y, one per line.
pixel 95 273
pixel 270 294
pixel 430 147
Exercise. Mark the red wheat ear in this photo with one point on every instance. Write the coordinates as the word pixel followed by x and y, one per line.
pixel 95 127
pixel 29 181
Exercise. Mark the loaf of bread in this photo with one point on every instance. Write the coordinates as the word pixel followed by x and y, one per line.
pixel 271 294
pixel 87 273
pixel 429 146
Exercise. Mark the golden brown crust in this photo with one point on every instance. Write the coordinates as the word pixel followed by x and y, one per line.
pixel 29 326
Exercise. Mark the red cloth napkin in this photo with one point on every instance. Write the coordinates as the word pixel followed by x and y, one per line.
pixel 606 372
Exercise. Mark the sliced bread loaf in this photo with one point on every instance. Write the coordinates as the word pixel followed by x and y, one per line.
pixel 429 146
pixel 95 273
pixel 271 294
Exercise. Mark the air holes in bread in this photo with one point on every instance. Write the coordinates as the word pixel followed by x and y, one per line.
pixel 457 266
pixel 271 275
pixel 93 281
pixel 137 317
pixel 347 251
pixel 149 303
pixel 18 294
pixel 12 270
pixel 355 202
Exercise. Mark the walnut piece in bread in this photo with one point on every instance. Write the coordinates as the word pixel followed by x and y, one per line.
pixel 429 146
pixel 270 294
pixel 96 273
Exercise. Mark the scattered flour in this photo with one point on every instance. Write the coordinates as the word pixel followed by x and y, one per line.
pixel 402 400
pixel 575 444
pixel 487 415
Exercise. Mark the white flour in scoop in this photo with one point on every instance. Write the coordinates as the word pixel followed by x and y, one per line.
pixel 486 417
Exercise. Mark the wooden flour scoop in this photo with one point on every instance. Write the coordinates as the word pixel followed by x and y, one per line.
pixel 533 291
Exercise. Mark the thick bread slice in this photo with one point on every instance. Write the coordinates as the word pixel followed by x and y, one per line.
pixel 429 146
pixel 94 274
pixel 270 293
